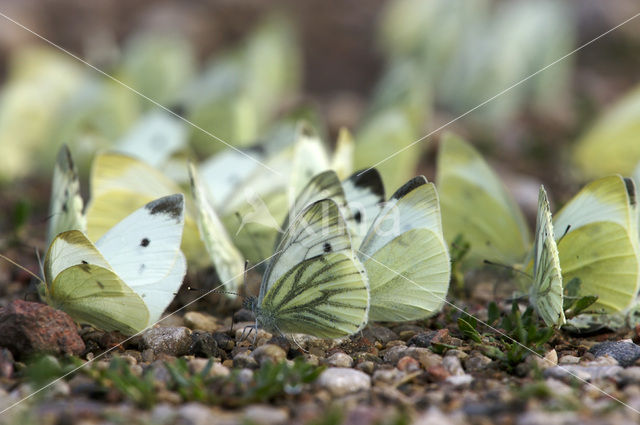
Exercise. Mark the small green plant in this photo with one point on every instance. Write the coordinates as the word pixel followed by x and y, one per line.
pixel 189 386
pixel 573 304
pixel 43 369
pixel 459 249
pixel 119 376
pixel 520 334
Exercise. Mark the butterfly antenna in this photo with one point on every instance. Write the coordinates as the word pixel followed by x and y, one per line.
pixel 564 234
pixel 504 266
pixel 22 267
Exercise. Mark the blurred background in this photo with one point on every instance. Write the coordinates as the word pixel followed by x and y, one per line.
pixel 389 71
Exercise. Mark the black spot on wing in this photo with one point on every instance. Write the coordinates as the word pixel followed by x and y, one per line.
pixel 357 217
pixel 631 191
pixel 85 267
pixel 369 179
pixel 100 284
pixel 172 205
pixel 84 262
pixel 145 242
pixel 178 109
pixel 409 186
pixel 326 247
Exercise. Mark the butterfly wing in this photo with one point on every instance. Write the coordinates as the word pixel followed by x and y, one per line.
pixel 314 284
pixel 476 205
pixel 405 255
pixel 228 261
pixel 365 196
pixel 81 283
pixel 546 291
pixel 66 206
pixel 598 242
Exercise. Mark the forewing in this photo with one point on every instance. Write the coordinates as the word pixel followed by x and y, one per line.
pixel 546 292
pixel 228 261
pixel 66 206
pixel 405 255
pixel 365 196
pixel 476 205
pixel 141 248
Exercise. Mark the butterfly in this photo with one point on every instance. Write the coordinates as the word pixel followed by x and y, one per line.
pixel 595 232
pixel 400 241
pixel 120 184
pixel 124 281
pixel 476 205
pixel 314 284
pixel 546 292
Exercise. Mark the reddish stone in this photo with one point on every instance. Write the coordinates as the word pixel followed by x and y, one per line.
pixel 437 373
pixel 408 364
pixel 27 328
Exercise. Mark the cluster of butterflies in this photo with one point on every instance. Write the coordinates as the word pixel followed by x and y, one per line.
pixel 338 253
pixel 333 260
pixel 591 241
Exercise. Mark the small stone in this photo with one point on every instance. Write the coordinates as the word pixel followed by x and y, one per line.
pixel 408 364
pixel 340 359
pixel 265 415
pixel 476 362
pixel 379 333
pixel 387 376
pixel 393 354
pixel 224 341
pixel 424 339
pixel 160 372
pixel 129 359
pixel 148 356
pixel 6 363
pixel 173 341
pixel 203 344
pixel 281 341
pixel 565 360
pixel 200 321
pixel 630 376
pixel 166 396
pixel 27 328
pixel 248 333
pixel 342 381
pixel 437 373
pixel 453 366
pixel 395 343
pixel 626 353
pixel 426 357
pixel 197 365
pixel 587 373
pixel 460 380
pixel 194 414
pixel 367 367
pixel 268 353
pixel 311 359
pixel 244 361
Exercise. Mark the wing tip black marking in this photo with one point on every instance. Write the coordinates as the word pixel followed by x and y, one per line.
pixel 631 191
pixel 369 178
pixel 409 186
pixel 172 205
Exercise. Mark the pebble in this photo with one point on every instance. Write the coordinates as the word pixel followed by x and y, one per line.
pixel 387 376
pixel 244 315
pixel 453 366
pixel 379 333
pixel 28 328
pixel 366 366
pixel 194 414
pixel 626 353
pixel 217 369
pixel 6 363
pixel 224 341
pixel 630 376
pixel 565 360
pixel 245 361
pixel 160 372
pixel 267 353
pixel 265 415
pixel 342 381
pixel 424 339
pixel 168 340
pixel 476 362
pixel 584 372
pixel 408 364
pixel 340 359
pixel 459 380
pixel 203 344
pixel 437 373
pixel 200 321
